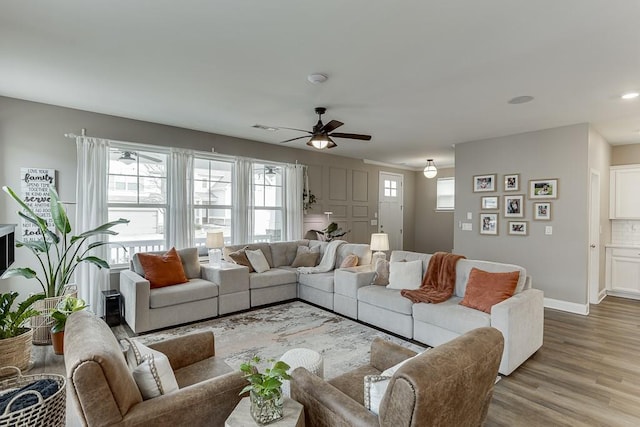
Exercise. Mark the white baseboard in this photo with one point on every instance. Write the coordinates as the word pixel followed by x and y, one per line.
pixel 570 307
pixel 623 294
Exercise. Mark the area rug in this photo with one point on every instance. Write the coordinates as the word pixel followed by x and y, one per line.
pixel 269 332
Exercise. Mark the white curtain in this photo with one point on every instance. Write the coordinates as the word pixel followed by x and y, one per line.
pixel 91 212
pixel 180 198
pixel 242 205
pixel 294 187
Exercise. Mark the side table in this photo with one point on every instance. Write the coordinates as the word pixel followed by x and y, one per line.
pixel 241 416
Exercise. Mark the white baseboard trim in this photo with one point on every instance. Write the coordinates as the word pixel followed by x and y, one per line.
pixel 623 294
pixel 571 307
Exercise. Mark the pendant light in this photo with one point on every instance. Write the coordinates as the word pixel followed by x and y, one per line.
pixel 430 170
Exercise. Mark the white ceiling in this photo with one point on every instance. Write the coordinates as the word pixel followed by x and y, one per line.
pixel 417 75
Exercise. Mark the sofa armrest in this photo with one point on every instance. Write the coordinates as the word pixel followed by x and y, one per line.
pixel 208 403
pixel 187 349
pixel 135 291
pixel 347 281
pixel 229 277
pixel 326 405
pixel 521 321
pixel 385 354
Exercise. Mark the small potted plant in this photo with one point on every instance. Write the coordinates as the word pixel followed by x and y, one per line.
pixel 60 314
pixel 15 336
pixel 265 389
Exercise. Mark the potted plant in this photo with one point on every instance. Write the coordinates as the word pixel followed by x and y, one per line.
pixel 15 337
pixel 58 254
pixel 60 314
pixel 331 232
pixel 265 389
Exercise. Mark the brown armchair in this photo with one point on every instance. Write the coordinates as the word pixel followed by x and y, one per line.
pixel 106 394
pixel 450 385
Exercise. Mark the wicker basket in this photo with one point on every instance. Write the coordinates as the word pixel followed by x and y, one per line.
pixel 42 323
pixel 16 351
pixel 46 413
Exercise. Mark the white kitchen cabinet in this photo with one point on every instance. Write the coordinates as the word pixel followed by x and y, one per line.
pixel 623 272
pixel 625 189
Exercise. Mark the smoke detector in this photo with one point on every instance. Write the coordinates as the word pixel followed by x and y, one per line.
pixel 317 78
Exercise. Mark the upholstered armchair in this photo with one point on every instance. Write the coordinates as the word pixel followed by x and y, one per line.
pixel 105 393
pixel 450 385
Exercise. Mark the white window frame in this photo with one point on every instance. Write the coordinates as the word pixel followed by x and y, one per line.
pixel 253 207
pixel 440 206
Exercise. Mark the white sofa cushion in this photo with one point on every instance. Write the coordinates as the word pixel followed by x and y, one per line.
pixel 321 281
pixel 405 275
pixel 273 277
pixel 193 290
pixel 389 299
pixel 451 315
pixel 257 260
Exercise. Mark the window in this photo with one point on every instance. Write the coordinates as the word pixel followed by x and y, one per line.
pixel 268 203
pixel 390 188
pixel 212 197
pixel 445 194
pixel 137 191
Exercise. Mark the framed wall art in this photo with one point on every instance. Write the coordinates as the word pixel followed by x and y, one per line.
pixel 543 188
pixel 484 183
pixel 512 182
pixel 542 211
pixel 518 228
pixel 514 206
pixel 489 202
pixel 489 223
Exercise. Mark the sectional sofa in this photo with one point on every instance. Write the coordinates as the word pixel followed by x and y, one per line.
pixel 347 291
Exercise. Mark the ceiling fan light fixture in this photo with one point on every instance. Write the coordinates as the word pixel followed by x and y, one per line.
pixel 430 170
pixel 126 158
pixel 319 141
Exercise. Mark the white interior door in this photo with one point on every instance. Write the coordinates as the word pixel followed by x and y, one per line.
pixel 390 208
pixel 594 238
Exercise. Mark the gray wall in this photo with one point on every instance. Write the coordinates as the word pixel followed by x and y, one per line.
pixel 625 154
pixel 557 263
pixel 600 161
pixel 32 135
pixel 433 229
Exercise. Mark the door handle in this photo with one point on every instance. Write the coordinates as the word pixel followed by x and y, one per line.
pixel 592 246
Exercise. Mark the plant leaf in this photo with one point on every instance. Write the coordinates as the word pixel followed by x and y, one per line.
pixel 40 222
pixel 99 262
pixel 25 272
pixel 58 213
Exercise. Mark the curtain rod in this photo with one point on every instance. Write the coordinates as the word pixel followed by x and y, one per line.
pixel 83 133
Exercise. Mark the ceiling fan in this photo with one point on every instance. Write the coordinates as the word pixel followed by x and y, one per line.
pixel 321 134
pixel 129 157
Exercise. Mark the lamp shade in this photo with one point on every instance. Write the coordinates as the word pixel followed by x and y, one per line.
pixel 430 170
pixel 320 141
pixel 379 242
pixel 215 240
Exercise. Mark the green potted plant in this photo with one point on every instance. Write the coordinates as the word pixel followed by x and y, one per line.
pixel 331 232
pixel 58 254
pixel 15 337
pixel 60 314
pixel 265 389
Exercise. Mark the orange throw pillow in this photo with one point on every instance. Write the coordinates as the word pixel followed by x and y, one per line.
pixel 486 289
pixel 163 270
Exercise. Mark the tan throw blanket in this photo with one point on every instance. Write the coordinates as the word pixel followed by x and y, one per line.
pixel 438 282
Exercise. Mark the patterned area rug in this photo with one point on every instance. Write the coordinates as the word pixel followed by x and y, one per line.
pixel 269 332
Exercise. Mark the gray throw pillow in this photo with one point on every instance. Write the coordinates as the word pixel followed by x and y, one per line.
pixel 190 262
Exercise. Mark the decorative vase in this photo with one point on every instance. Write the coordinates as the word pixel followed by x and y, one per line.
pixel 42 323
pixel 16 351
pixel 266 410
pixel 57 339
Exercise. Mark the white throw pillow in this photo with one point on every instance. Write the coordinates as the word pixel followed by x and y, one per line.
pixel 154 376
pixel 151 370
pixel 405 275
pixel 257 260
pixel 375 386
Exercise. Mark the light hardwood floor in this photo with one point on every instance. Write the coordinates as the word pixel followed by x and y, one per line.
pixel 586 374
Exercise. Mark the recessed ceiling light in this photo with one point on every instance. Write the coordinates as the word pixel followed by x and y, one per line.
pixel 263 127
pixel 317 78
pixel 630 95
pixel 521 99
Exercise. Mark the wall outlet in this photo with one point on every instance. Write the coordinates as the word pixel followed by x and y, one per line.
pixel 467 226
pixel 548 230
pixel 374 222
pixel 469 215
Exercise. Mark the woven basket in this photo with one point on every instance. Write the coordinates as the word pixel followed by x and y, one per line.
pixel 46 413
pixel 42 323
pixel 16 351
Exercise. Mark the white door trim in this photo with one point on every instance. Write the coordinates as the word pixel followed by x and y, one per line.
pixel 593 269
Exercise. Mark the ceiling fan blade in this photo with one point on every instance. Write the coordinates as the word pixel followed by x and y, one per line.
pixel 300 130
pixel 333 124
pixel 351 136
pixel 293 139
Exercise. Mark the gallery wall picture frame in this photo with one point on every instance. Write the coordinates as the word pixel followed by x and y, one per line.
pixel 489 224
pixel 512 182
pixel 490 203
pixel 514 205
pixel 542 211
pixel 543 188
pixel 518 228
pixel 484 183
